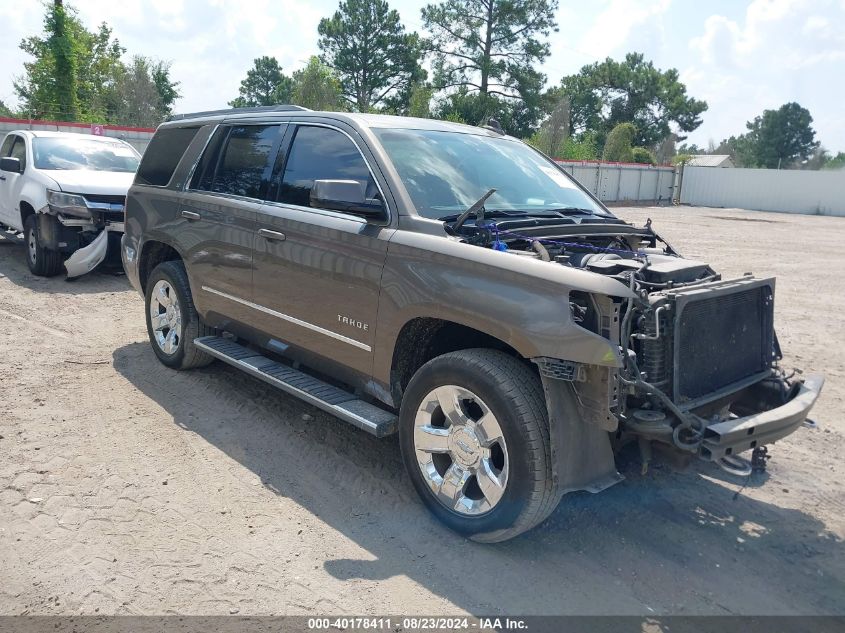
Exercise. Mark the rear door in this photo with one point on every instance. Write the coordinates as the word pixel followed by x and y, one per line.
pixel 218 212
pixel 317 272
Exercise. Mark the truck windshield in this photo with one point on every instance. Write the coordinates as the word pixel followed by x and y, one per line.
pixel 57 153
pixel 445 172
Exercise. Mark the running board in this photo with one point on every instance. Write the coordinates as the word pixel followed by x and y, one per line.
pixel 322 395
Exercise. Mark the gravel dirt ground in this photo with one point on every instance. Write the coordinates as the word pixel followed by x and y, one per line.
pixel 128 488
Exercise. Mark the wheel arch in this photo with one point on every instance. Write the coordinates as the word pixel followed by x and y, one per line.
pixel 422 338
pixel 153 253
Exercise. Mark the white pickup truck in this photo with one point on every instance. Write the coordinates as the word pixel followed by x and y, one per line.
pixel 66 193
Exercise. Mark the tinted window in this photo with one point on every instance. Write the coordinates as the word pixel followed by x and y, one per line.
pixel 204 173
pixel 19 151
pixel 163 154
pixel 320 153
pixel 245 158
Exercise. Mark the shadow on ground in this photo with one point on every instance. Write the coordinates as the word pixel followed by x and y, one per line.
pixel 13 266
pixel 666 542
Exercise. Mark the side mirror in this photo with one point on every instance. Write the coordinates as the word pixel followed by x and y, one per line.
pixel 347 196
pixel 10 164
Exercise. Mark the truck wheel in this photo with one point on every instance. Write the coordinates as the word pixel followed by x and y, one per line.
pixel 474 434
pixel 172 319
pixel 42 261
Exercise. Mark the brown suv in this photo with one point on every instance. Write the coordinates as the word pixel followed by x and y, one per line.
pixel 454 285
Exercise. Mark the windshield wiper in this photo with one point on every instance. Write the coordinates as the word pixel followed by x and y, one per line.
pixel 477 208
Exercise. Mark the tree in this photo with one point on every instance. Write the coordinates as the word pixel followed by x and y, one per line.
pixel 492 48
pixel 835 162
pixel 98 70
pixel 5 110
pixel 618 148
pixel 554 131
pixel 145 93
pixel 316 87
pixel 475 108
pixel 265 84
pixel 604 94
pixel 73 70
pixel 419 101
pixel 375 60
pixel 643 156
pixel 780 138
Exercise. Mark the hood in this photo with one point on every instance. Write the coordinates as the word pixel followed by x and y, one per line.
pixel 112 183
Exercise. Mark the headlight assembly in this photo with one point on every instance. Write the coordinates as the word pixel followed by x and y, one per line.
pixel 68 204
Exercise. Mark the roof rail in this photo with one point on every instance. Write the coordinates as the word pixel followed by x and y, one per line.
pixel 270 108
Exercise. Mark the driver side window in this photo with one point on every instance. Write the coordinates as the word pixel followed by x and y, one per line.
pixel 319 153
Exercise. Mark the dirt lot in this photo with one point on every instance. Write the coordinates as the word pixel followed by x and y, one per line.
pixel 128 488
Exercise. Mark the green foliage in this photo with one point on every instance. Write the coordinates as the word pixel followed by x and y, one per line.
pixel 145 93
pixel 581 149
pixel 475 108
pixel 604 94
pixel 376 61
pixel 492 48
pixel 554 131
pixel 834 162
pixel 316 87
pixel 777 138
pixel 419 102
pixel 618 148
pixel 643 156
pixel 79 74
pixel 265 84
pixel 6 111
pixel 681 159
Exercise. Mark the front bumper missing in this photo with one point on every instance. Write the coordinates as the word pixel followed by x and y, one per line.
pixel 86 259
pixel 741 434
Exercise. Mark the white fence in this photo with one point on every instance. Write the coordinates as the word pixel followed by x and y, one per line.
pixel 624 182
pixel 790 191
pixel 137 137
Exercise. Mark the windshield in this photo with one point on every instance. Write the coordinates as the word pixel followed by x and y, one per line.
pixel 445 172
pixel 56 153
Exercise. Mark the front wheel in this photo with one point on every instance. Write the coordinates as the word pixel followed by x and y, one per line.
pixel 41 261
pixel 474 434
pixel 172 319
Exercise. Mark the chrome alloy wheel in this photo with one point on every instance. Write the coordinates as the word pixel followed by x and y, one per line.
pixel 461 450
pixel 32 246
pixel 165 317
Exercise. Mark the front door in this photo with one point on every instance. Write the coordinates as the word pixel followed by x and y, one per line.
pixel 11 183
pixel 317 272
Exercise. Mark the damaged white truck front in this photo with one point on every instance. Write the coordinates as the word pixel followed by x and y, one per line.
pixel 66 193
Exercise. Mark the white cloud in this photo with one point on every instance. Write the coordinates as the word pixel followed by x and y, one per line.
pixel 620 22
pixel 783 50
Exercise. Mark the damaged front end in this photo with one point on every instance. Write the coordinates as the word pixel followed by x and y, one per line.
pixel 698 369
pixel 82 226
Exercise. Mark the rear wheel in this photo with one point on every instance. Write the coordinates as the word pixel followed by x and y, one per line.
pixel 474 435
pixel 172 319
pixel 41 261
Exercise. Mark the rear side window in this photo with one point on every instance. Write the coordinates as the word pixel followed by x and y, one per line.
pixel 163 154
pixel 237 163
pixel 320 153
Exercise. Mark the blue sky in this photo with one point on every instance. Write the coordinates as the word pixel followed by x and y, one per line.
pixel 741 56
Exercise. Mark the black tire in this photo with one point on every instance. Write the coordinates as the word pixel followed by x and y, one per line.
pixel 186 355
pixel 41 261
pixel 514 394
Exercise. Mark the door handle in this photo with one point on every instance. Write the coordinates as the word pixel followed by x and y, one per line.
pixel 267 234
pixel 190 215
pixel 2 177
